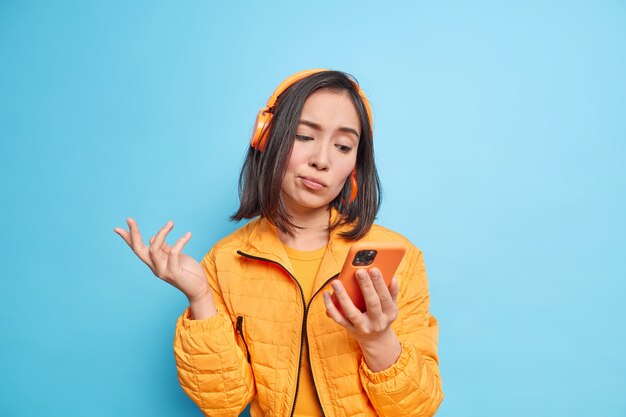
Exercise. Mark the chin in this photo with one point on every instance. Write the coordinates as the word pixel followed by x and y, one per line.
pixel 302 199
pixel 312 203
pixel 314 206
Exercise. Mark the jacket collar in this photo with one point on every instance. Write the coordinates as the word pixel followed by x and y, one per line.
pixel 263 242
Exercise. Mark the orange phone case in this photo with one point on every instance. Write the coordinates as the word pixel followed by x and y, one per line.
pixel 387 258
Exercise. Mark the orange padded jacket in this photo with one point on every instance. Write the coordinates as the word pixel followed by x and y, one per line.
pixel 251 351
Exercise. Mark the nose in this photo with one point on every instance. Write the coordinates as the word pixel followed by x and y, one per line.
pixel 319 158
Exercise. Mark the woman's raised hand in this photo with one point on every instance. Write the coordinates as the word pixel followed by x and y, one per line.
pixel 168 262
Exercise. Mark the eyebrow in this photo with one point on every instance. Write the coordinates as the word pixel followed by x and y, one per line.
pixel 318 127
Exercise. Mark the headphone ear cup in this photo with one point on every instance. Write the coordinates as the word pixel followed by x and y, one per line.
pixel 354 185
pixel 261 130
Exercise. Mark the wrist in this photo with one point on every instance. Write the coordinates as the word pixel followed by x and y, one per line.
pixel 382 352
pixel 201 297
pixel 202 307
pixel 383 340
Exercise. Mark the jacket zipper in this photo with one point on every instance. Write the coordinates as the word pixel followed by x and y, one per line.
pixel 240 331
pixel 303 336
pixel 308 347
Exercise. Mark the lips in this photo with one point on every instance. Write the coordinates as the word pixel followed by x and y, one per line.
pixel 313 183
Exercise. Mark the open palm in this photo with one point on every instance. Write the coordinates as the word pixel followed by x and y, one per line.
pixel 168 262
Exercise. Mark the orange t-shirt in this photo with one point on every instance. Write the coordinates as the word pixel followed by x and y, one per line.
pixel 306 264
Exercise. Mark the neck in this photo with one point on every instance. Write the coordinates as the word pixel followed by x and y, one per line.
pixel 312 232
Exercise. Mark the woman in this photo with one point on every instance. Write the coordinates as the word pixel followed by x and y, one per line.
pixel 261 326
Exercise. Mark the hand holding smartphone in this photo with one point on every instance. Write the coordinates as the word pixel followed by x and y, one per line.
pixel 386 256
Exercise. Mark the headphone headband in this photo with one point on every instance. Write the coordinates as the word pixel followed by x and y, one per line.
pixel 261 126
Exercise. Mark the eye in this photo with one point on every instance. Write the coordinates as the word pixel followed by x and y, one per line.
pixel 303 138
pixel 343 148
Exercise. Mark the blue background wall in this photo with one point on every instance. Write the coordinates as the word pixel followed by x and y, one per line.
pixel 500 137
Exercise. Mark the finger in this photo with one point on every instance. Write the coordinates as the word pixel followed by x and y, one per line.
pixel 334 313
pixel 353 314
pixel 135 235
pixel 173 261
pixel 384 296
pixel 394 289
pixel 371 297
pixel 136 243
pixel 164 247
pixel 156 253
pixel 158 241
pixel 124 235
pixel 159 238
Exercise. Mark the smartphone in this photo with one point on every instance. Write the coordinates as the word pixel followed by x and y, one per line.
pixel 385 256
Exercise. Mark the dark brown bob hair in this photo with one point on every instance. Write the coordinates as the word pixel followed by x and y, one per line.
pixel 262 172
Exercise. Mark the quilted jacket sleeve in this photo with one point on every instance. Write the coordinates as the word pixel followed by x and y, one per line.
pixel 412 386
pixel 212 368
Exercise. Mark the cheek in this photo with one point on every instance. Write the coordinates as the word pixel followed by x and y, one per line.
pixel 296 159
pixel 347 167
pixel 343 175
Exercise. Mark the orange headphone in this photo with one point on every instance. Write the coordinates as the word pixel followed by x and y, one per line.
pixel 261 126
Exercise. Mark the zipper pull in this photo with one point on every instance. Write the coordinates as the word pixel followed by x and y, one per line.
pixel 239 327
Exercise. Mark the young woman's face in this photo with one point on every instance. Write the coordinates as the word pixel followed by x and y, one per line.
pixel 324 151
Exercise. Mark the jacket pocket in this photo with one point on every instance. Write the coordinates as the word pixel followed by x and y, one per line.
pixel 243 338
